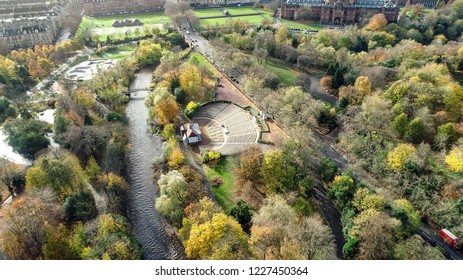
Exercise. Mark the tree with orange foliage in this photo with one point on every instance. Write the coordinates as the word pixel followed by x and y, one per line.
pixel 25 220
pixel 166 111
pixel 377 22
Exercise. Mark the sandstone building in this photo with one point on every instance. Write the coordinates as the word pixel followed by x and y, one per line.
pixel 108 7
pixel 340 12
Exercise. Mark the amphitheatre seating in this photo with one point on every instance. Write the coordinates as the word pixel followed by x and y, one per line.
pixel 219 118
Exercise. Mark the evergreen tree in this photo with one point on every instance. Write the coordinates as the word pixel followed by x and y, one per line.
pixel 400 124
pixel 338 79
pixel 331 70
pixel 241 212
pixel 415 131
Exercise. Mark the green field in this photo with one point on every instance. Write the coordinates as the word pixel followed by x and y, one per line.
pixel 116 52
pixel 241 11
pixel 224 193
pixel 235 11
pixel 213 22
pixel 301 24
pixel 145 18
pixel 286 75
pixel 252 20
pixel 198 58
pixel 208 13
pixel 266 13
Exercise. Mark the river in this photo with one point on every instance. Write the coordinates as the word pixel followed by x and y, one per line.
pixel 148 225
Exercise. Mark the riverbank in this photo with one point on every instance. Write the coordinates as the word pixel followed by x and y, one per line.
pixel 149 227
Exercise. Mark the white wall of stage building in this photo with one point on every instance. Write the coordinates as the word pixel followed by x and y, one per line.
pixel 191 270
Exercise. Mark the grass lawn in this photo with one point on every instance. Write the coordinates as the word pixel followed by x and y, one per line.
pixel 145 18
pixel 301 24
pixel 208 13
pixel 223 194
pixel 284 73
pixel 255 19
pixel 117 52
pixel 196 56
pixel 241 11
pixel 213 21
pixel 252 20
pixel 218 12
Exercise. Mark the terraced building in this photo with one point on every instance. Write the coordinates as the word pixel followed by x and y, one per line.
pixel 25 23
pixel 110 7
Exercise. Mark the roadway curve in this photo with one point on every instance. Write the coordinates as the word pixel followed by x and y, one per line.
pixel 317 91
pixel 332 217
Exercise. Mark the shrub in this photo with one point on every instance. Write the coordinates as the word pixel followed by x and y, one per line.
pixel 116 117
pixel 302 207
pixel 80 207
pixel 397 158
pixel 350 248
pixel 216 182
pixel 415 131
pixel 454 160
pixel 328 169
pixel 175 156
pixel 168 132
pixel 179 94
pixel 241 211
pixel 191 109
pixel 326 82
pixel 209 155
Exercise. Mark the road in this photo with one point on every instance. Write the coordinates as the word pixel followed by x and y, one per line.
pixel 317 91
pixel 431 236
pixel 332 217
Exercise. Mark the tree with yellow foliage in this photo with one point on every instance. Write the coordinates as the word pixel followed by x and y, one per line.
pixel 166 111
pixel 364 199
pixel 282 34
pixel 196 81
pixel 62 174
pixel 207 233
pixel 454 160
pixel 7 69
pixel 397 158
pixel 148 54
pixel 363 88
pixel 174 154
pixel 190 78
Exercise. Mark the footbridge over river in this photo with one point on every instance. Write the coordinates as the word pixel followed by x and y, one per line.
pixel 134 93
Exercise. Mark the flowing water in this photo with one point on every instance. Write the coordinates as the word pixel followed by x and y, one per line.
pixel 148 225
